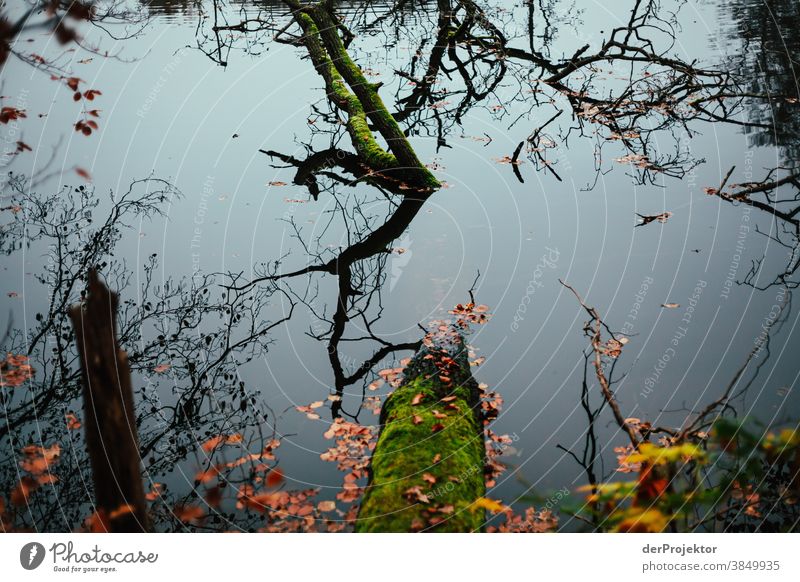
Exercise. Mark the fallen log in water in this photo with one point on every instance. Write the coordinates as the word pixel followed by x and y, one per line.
pixel 427 470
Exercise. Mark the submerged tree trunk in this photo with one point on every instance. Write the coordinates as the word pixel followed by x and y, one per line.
pixel 111 435
pixel 427 470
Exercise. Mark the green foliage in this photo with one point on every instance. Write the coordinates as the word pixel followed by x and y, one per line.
pixel 733 479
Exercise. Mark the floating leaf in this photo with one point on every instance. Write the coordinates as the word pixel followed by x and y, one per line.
pixel 488 504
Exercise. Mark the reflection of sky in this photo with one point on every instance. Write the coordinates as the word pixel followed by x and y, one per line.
pixel 170 112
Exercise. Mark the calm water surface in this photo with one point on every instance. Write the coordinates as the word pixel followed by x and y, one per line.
pixel 169 111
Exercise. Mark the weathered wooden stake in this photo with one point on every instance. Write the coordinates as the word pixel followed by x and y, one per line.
pixel 109 420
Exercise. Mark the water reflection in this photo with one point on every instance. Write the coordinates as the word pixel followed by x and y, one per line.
pixel 176 10
pixel 464 60
pixel 762 35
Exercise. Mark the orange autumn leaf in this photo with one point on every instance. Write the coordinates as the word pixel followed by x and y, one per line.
pixel 275 477
pixel 188 513
pixel 220 440
pixel 123 509
pixel 155 492
pixel 21 493
pixel 72 421
pixel 15 371
pixel 489 504
pixel 37 460
pixel 207 475
pixel 97 522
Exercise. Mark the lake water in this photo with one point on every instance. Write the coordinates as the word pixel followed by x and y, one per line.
pixel 171 112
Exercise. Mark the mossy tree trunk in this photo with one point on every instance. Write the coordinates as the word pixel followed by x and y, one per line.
pixel 427 470
pixel 354 95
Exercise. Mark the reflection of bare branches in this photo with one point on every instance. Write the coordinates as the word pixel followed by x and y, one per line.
pixel 706 417
pixel 777 195
pixel 185 344
pixel 601 351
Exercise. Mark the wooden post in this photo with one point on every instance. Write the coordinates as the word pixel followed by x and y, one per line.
pixel 109 419
pixel 427 470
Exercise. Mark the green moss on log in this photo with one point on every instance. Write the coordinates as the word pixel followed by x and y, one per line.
pixel 427 469
pixel 360 101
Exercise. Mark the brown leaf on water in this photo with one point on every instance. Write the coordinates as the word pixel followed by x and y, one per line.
pixel 15 370
pixel 72 421
pixel 220 440
pixel 212 443
pixel 207 475
pixel 155 492
pixel 38 460
pixel 275 477
pixel 83 174
pixel 21 493
pixel 309 411
pixel 97 522
pixel 10 114
pixel 214 496
pixel 670 305
pixel 647 219
pixel 189 513
pixel 124 509
pixel 415 494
